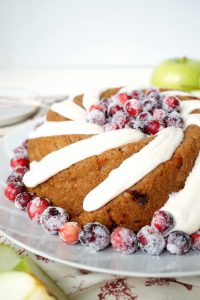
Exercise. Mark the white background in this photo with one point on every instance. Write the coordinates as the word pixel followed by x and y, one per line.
pixel 61 33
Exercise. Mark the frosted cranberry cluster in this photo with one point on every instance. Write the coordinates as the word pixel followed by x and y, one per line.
pixel 148 112
pixel 151 239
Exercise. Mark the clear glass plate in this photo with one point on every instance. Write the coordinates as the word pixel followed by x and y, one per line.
pixel 17 227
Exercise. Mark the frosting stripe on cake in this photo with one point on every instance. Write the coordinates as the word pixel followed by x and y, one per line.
pixel 69 109
pixel 185 204
pixel 135 168
pixel 65 127
pixel 63 158
pixel 193 119
pixel 187 106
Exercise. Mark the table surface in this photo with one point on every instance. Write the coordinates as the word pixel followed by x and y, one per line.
pixel 82 284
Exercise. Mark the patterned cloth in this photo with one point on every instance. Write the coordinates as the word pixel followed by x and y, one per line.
pixel 80 284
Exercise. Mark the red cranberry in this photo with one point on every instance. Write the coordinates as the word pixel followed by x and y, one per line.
pixel 137 94
pixel 19 162
pixel 121 119
pixel 150 240
pixel 159 114
pixel 178 242
pixel 152 92
pixel 133 107
pixel 113 108
pixel 144 116
pixel 96 117
pixel 174 120
pixel 36 207
pixel 96 106
pixel 106 102
pixel 23 199
pixel 135 124
pixel 123 97
pixel 95 236
pixel 20 151
pixel 195 237
pixel 163 221
pixel 14 177
pixel 171 103
pixel 20 170
pixel 149 104
pixel 53 218
pixel 152 127
pixel 69 233
pixel 13 189
pixel 111 126
pixel 124 240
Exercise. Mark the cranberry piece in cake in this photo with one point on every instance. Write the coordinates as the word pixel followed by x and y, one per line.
pixel 178 242
pixel 113 108
pixel 150 240
pixel 133 107
pixel 23 199
pixel 195 237
pixel 162 221
pixel 124 240
pixel 171 103
pixel 53 218
pixel 69 233
pixel 19 162
pixel 36 207
pixel 95 236
pixel 152 127
pixel 96 117
pixel 174 119
pixel 13 189
pixel 123 97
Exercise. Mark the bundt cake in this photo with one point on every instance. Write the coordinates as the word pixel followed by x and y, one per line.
pixel 119 155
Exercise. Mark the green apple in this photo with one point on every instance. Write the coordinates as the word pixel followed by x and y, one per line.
pixel 16 285
pixel 177 73
pixel 15 269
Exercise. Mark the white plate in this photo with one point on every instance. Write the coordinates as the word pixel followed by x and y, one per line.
pixel 18 228
pixel 11 114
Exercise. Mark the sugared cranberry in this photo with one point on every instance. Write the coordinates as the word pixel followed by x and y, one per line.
pixel 111 126
pixel 96 117
pixel 124 240
pixel 144 116
pixel 163 221
pixel 150 240
pixel 195 237
pixel 135 124
pixel 53 218
pixel 95 236
pixel 20 151
pixel 106 102
pixel 23 199
pixel 171 103
pixel 178 242
pixel 20 170
pixel 152 127
pixel 149 104
pixel 13 189
pixel 69 233
pixel 36 207
pixel 159 114
pixel 152 92
pixel 123 97
pixel 174 120
pixel 121 119
pixel 14 177
pixel 113 108
pixel 25 144
pixel 137 94
pixel 96 106
pixel 19 162
pixel 133 107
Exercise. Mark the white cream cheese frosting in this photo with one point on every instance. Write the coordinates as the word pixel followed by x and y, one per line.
pixel 185 204
pixel 50 128
pixel 187 106
pixel 135 168
pixel 63 158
